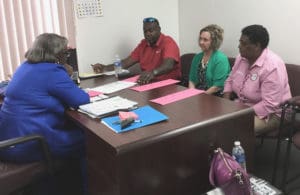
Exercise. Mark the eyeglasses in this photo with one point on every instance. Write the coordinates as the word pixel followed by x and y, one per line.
pixel 150 19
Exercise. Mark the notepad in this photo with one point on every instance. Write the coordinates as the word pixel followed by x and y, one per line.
pixel 146 115
pixel 107 106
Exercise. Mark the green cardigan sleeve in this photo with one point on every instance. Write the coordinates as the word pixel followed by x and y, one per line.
pixel 218 70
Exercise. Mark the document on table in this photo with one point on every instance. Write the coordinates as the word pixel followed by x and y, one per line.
pixel 91 75
pixel 132 79
pixel 113 87
pixel 155 85
pixel 107 106
pixel 177 96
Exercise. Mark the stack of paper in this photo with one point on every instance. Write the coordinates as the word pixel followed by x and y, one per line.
pixel 107 106
pixel 91 75
pixel 113 87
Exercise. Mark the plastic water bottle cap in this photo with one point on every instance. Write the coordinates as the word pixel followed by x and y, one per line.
pixel 237 143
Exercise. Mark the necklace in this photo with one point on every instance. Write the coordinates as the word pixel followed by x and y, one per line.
pixel 204 62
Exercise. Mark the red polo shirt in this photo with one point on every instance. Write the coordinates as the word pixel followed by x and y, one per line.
pixel 152 57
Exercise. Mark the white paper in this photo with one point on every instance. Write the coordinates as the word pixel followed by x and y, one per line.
pixel 113 87
pixel 107 106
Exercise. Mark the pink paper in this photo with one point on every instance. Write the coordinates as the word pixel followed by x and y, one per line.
pixel 126 115
pixel 132 79
pixel 177 96
pixel 155 85
pixel 93 93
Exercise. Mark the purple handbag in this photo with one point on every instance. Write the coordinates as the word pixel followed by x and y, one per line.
pixel 228 175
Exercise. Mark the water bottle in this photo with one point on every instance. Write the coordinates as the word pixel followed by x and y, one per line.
pixel 238 153
pixel 118 65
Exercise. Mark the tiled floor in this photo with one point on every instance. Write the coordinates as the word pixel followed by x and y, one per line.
pixel 263 165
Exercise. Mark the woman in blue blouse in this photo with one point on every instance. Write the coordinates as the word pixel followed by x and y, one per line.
pixel 209 68
pixel 35 102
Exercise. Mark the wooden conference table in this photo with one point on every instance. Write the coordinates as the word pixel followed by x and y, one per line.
pixel 170 157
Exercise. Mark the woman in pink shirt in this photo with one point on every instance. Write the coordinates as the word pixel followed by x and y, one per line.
pixel 259 79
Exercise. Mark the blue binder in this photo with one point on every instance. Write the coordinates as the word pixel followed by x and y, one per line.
pixel 147 116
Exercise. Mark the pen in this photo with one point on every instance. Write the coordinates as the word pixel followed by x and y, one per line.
pixel 127 122
pixel 119 122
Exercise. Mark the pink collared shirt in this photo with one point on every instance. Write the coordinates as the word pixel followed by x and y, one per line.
pixel 263 86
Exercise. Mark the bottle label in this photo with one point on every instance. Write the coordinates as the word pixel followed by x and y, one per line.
pixel 240 158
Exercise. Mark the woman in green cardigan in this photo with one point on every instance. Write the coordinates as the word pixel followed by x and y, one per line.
pixel 209 68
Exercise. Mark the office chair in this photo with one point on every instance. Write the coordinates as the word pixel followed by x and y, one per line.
pixel 15 177
pixel 293 137
pixel 186 61
pixel 72 59
pixel 293 72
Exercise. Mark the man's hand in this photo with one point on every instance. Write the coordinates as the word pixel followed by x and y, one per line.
pixel 145 77
pixel 98 68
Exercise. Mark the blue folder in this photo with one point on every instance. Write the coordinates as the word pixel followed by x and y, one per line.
pixel 147 116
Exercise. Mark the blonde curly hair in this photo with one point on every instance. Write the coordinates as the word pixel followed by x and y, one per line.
pixel 216 34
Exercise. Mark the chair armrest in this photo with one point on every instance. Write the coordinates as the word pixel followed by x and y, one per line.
pixel 40 139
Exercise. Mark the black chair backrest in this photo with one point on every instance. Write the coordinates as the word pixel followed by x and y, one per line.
pixel 72 59
pixel 186 60
pixel 293 71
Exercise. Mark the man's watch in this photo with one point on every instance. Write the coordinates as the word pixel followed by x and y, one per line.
pixel 155 72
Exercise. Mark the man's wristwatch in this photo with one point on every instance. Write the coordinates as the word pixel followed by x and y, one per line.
pixel 155 72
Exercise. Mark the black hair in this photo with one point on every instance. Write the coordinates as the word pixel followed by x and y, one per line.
pixel 257 34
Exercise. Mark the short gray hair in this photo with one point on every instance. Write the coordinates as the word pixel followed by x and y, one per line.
pixel 46 48
pixel 216 34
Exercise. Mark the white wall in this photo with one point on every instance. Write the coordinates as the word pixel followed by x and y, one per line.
pixel 280 17
pixel 121 29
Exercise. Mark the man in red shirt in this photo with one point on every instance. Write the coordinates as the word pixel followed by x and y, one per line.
pixel 157 54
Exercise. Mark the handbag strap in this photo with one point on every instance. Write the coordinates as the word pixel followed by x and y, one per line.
pixel 211 170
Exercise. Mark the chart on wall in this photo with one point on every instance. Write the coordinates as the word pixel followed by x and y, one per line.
pixel 89 8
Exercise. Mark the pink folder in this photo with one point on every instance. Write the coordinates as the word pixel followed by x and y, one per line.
pixel 155 85
pixel 94 93
pixel 177 96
